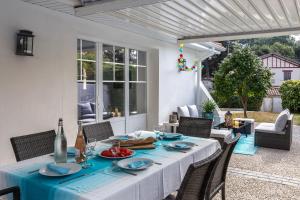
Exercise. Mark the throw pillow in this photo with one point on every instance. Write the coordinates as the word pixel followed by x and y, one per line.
pixel 193 111
pixel 183 111
pixel 85 108
pixel 281 122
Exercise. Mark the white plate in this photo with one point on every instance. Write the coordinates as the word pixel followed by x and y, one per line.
pixel 171 136
pixel 189 145
pixel 121 137
pixel 124 163
pixel 74 168
pixel 133 153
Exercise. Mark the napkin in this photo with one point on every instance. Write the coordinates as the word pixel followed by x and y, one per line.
pixel 58 169
pixel 138 164
pixel 180 145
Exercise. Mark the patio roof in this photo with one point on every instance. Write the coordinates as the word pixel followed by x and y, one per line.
pixel 190 21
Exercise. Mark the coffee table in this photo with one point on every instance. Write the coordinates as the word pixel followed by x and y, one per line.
pixel 244 128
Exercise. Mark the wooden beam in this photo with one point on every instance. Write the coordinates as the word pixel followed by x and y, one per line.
pixel 112 6
pixel 241 35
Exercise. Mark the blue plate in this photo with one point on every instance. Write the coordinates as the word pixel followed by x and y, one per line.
pixel 180 145
pixel 171 136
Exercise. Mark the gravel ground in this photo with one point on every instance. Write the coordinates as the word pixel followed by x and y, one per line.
pixel 240 188
pixel 273 161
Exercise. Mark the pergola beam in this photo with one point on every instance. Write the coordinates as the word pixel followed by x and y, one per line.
pixel 107 6
pixel 240 35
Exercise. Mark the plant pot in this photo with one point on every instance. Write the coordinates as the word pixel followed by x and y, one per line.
pixel 208 115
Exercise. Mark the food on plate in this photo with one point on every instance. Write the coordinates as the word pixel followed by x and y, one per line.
pixel 117 152
pixel 136 142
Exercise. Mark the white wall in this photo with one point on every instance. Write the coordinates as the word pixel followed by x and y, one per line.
pixel 278 75
pixel 36 91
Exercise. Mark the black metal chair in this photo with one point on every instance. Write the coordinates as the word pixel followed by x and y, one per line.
pixel 206 178
pixel 196 179
pixel 14 190
pixel 217 180
pixel 33 145
pixel 99 131
pixel 197 127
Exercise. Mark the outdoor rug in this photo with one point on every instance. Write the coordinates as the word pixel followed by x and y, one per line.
pixel 245 145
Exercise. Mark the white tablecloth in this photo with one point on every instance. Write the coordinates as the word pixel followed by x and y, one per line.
pixel 152 184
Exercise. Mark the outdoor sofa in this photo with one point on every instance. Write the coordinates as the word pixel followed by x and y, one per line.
pixel 278 135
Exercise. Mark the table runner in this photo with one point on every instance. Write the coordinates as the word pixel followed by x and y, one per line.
pixel 99 182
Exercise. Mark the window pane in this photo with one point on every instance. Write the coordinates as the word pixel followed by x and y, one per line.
pixel 119 72
pixel 142 58
pixel 78 49
pixel 142 73
pixel 108 73
pixel 86 102
pixel 132 56
pixel 108 53
pixel 119 55
pixel 132 73
pixel 113 100
pixel 137 98
pixel 88 50
pixel 89 70
pixel 78 70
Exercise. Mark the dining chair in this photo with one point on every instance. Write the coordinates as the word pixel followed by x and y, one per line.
pixel 204 179
pixel 217 180
pixel 33 145
pixel 194 126
pixel 196 179
pixel 14 190
pixel 98 131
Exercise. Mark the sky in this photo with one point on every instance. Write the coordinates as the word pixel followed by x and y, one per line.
pixel 297 37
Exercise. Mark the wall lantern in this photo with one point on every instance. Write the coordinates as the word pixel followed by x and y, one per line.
pixel 25 43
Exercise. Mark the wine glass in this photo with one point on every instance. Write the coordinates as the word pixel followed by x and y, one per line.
pixel 89 152
pixel 158 130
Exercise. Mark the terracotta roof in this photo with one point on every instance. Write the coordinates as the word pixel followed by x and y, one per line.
pixel 274 91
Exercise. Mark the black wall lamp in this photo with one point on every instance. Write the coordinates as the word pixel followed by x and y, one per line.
pixel 25 43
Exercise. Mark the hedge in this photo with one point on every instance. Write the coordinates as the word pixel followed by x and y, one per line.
pixel 290 95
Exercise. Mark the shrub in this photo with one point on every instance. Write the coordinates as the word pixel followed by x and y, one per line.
pixel 209 106
pixel 290 95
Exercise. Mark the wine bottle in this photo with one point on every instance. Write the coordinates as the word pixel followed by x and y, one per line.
pixel 60 144
pixel 80 145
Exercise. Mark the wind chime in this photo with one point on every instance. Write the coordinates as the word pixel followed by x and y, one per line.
pixel 181 62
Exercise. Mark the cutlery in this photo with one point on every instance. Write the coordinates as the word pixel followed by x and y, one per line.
pixel 173 149
pixel 73 178
pixel 158 163
pixel 33 171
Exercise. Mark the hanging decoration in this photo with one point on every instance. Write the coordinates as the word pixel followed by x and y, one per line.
pixel 181 62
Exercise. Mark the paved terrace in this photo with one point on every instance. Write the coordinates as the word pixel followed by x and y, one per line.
pixel 270 174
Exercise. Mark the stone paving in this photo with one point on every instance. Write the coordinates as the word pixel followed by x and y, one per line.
pixel 270 174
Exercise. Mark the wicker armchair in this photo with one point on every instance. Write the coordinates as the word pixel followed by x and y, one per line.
pixel 194 126
pixel 99 131
pixel 196 179
pixel 14 190
pixel 33 145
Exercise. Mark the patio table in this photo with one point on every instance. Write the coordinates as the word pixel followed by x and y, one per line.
pixel 101 183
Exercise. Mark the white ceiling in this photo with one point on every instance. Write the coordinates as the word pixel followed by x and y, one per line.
pixel 189 20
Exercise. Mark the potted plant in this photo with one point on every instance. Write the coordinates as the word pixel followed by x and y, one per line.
pixel 208 109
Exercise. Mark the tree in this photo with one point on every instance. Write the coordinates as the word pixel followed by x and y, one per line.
pixel 242 74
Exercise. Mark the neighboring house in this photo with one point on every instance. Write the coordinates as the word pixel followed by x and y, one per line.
pixel 283 69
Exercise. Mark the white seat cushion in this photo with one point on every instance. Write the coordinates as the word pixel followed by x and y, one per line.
pixel 216 133
pixel 183 111
pixel 193 111
pixel 268 128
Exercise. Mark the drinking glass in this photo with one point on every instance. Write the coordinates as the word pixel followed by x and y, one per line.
pixel 158 130
pixel 89 152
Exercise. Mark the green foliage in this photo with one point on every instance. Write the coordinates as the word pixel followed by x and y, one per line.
pixel 290 95
pixel 242 74
pixel 209 106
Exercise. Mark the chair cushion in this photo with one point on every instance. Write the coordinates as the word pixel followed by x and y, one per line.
pixel 183 111
pixel 267 128
pixel 88 116
pixel 226 134
pixel 85 108
pixel 281 121
pixel 193 111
